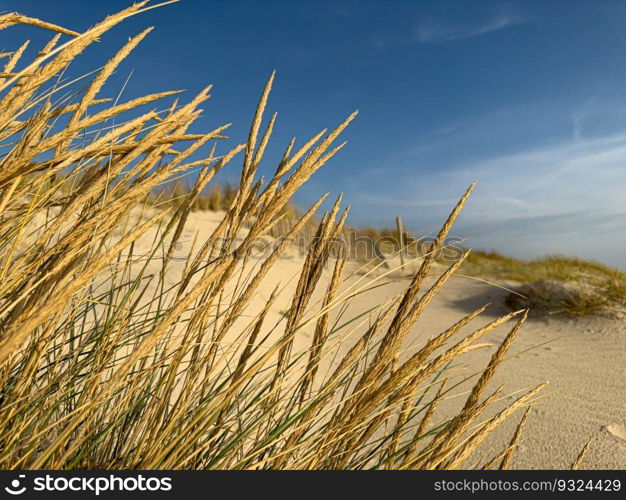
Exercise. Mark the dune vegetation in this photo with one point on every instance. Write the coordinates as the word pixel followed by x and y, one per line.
pixel 106 363
pixel 555 284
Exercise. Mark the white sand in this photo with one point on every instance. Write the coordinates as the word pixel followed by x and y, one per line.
pixel 584 360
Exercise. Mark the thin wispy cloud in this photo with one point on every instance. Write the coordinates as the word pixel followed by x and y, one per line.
pixel 434 32
pixel 593 234
pixel 574 174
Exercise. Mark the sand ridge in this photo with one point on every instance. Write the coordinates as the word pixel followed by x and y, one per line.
pixel 583 359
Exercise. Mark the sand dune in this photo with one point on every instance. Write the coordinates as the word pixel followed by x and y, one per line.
pixel 583 359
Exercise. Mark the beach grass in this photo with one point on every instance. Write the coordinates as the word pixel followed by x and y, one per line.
pixel 556 283
pixel 107 362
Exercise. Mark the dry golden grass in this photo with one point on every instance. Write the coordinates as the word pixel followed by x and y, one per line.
pixel 555 284
pixel 105 365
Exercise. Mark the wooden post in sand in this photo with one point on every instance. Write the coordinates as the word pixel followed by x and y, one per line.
pixel 400 238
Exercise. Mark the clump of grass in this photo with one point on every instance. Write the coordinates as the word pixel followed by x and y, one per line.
pixel 555 283
pixel 554 297
pixel 106 363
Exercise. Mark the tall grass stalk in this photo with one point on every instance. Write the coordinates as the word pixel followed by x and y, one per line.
pixel 107 363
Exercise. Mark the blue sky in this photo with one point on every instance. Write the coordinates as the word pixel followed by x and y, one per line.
pixel 526 97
